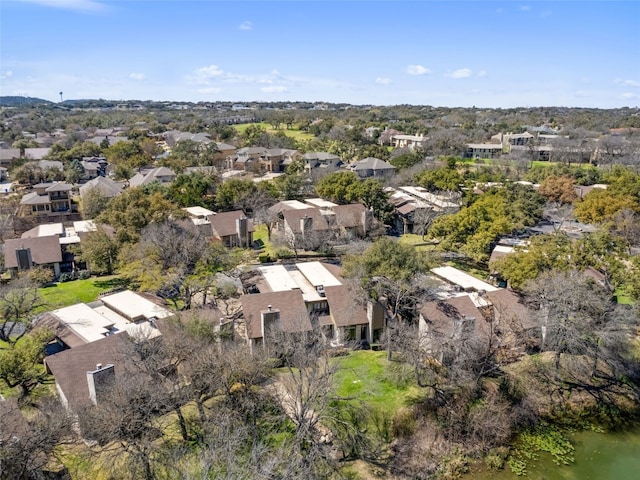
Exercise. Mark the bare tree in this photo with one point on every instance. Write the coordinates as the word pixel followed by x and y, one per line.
pixel 18 301
pixel 27 446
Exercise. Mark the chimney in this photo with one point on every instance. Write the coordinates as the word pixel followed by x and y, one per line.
pixel 99 380
pixel 242 229
pixel 270 319
pixel 306 224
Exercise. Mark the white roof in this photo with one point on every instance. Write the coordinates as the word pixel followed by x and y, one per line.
pixel 133 306
pixel 267 176
pixel 278 278
pixel 466 281
pixel 296 204
pixel 320 202
pixel 429 197
pixel 69 240
pixel 85 322
pixel 45 230
pixel 317 274
pixel 198 211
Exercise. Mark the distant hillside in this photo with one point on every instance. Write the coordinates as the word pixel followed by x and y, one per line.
pixel 9 101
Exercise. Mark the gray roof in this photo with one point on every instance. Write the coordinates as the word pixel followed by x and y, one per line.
pixel 104 185
pixel 371 163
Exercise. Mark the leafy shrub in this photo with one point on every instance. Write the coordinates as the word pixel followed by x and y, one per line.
pixel 84 274
pixel 40 276
pixel 66 277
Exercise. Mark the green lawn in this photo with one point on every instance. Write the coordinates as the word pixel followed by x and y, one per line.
pixel 77 291
pixel 294 133
pixel 368 376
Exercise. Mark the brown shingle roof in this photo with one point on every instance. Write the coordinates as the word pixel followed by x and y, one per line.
pixel 293 311
pixel 292 219
pixel 509 307
pixel 70 367
pixel 442 314
pixel 350 216
pixel 344 310
pixel 43 250
pixel 224 224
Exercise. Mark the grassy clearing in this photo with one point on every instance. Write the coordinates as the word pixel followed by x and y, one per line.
pixel 77 291
pixel 294 133
pixel 368 376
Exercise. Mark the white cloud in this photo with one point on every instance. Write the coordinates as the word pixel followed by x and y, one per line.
pixel 203 75
pixel 383 81
pixel 274 89
pixel 417 70
pixel 246 25
pixel 545 14
pixel 524 8
pixel 137 76
pixel 482 73
pixel 460 73
pixel 78 5
pixel 7 74
pixel 629 95
pixel 627 83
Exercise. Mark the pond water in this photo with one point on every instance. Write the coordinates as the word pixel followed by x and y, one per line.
pixel 598 456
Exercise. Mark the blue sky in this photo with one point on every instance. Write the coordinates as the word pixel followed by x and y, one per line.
pixel 454 53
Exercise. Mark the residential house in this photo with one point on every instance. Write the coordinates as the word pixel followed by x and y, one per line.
pixel 233 229
pixel 353 218
pixel 483 150
pixel 512 139
pixel 26 253
pixel 321 163
pixel 306 226
pixel 47 199
pixel 278 159
pixel 445 325
pixel 162 175
pixel 84 372
pixel 292 298
pixel 371 167
pixel 94 167
pixel 512 317
pixel 247 159
pixel 462 280
pixel 8 156
pixel 104 185
pixel 199 216
pixel 408 141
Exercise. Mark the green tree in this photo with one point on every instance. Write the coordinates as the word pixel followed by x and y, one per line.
pixel 18 300
pixel 134 209
pixel 74 171
pixel 338 187
pixel 372 195
pixel 21 364
pixel 500 211
pixel 441 179
pixel 233 193
pixel 93 202
pixel 193 189
pixel 602 206
pixel 100 251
